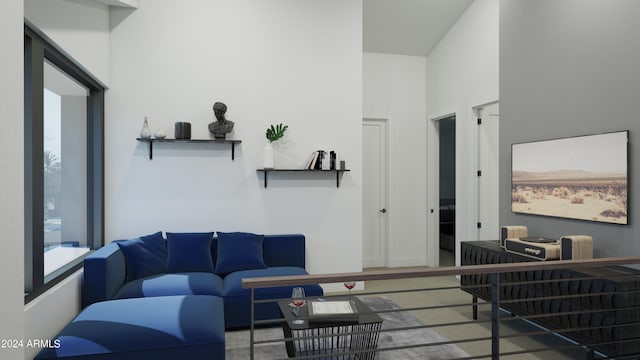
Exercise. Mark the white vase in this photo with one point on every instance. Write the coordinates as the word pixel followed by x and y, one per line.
pixel 269 157
pixel 145 133
pixel 160 134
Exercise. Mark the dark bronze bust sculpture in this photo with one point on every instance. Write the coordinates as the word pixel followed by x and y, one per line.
pixel 222 126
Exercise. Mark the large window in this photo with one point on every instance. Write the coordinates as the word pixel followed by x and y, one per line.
pixel 64 111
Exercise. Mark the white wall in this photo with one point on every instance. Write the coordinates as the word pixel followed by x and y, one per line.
pixel 80 28
pixel 12 179
pixel 394 88
pixel 285 61
pixel 46 315
pixel 462 72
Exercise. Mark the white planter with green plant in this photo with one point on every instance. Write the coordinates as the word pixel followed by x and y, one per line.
pixel 274 133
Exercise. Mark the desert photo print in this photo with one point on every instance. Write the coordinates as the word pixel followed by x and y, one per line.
pixel 583 177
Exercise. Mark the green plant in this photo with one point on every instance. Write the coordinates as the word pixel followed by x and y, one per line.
pixel 275 133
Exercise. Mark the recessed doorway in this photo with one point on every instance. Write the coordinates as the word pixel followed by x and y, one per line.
pixel 375 193
pixel 447 190
pixel 488 118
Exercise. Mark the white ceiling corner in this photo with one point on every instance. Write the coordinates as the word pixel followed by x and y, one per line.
pixel 132 4
pixel 408 27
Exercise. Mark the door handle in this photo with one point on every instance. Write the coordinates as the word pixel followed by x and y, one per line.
pixel 383 211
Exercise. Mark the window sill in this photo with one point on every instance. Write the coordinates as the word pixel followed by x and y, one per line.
pixel 57 258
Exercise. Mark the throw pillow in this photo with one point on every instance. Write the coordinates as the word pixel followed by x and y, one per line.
pixel 239 251
pixel 144 256
pixel 189 252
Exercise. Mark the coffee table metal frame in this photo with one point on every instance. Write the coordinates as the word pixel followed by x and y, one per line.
pixel 332 338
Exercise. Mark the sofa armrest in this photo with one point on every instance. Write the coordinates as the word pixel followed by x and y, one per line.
pixel 104 274
pixel 284 250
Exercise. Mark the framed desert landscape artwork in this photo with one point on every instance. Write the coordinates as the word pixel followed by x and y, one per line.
pixel 582 177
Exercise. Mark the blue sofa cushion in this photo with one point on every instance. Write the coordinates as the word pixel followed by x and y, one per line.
pixel 188 283
pixel 284 250
pixel 239 251
pixel 214 250
pixel 237 304
pixel 167 327
pixel 233 282
pixel 189 252
pixel 144 256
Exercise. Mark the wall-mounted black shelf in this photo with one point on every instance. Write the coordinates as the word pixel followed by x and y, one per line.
pixel 196 141
pixel 338 173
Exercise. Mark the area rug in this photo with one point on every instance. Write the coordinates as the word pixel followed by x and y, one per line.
pixel 237 342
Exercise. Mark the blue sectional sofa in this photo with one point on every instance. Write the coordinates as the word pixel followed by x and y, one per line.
pixel 197 264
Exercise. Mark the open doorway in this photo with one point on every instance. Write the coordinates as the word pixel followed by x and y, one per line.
pixel 447 190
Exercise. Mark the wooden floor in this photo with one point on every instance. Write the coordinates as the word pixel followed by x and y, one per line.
pixel 479 329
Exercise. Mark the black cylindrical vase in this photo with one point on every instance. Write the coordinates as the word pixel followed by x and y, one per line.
pixel 183 130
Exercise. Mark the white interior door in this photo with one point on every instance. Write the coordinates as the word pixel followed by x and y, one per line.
pixel 488 164
pixel 374 199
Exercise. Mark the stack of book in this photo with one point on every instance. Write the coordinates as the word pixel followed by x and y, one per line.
pixel 320 161
pixel 316 160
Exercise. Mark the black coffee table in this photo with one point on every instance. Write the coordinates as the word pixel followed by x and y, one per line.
pixel 332 335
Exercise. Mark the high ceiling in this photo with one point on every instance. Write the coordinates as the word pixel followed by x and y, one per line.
pixel 408 27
